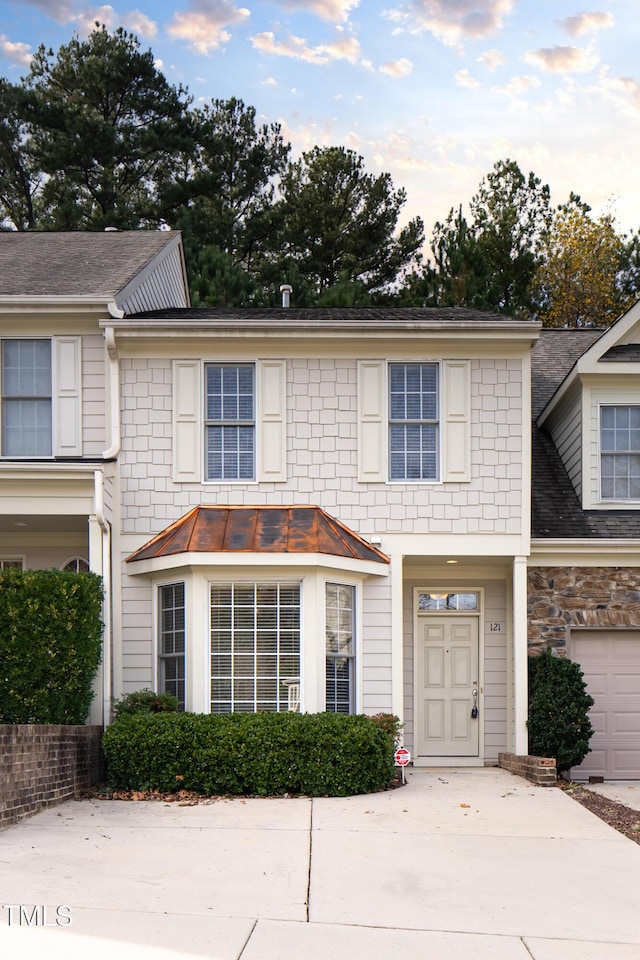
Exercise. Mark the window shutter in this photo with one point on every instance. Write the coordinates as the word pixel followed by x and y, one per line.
pixel 67 396
pixel 456 407
pixel 272 421
pixel 372 426
pixel 187 421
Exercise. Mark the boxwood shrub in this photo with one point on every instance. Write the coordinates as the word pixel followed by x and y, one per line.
pixel 559 724
pixel 50 645
pixel 261 754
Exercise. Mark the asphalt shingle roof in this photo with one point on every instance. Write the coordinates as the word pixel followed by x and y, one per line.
pixel 363 315
pixel 75 264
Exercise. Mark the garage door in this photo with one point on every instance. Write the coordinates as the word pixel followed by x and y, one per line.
pixel 610 661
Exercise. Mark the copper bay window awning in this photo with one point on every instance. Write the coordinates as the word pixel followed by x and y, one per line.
pixel 241 529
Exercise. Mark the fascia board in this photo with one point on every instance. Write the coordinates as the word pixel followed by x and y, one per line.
pixel 593 553
pixel 272 561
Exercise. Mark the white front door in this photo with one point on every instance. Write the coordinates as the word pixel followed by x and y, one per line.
pixel 447 675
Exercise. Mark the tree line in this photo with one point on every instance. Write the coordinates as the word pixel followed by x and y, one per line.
pixel 95 136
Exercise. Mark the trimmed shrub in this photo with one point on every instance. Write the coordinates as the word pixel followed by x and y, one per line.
pixel 261 754
pixel 50 645
pixel 145 701
pixel 559 724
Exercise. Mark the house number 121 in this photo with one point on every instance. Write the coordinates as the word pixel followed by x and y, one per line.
pixel 495 627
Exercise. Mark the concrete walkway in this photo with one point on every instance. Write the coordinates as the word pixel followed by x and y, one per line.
pixel 473 864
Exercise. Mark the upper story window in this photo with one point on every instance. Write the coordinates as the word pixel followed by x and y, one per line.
pixel 413 421
pixel 26 398
pixel 620 452
pixel 230 425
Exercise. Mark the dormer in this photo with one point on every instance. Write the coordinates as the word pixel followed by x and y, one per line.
pixel 593 417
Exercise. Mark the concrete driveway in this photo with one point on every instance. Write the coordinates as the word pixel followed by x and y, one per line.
pixel 457 864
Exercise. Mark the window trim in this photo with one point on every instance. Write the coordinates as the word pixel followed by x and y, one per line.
pixel 253 581
pixel 612 501
pixel 436 422
pixel 160 657
pixel 354 656
pixel 236 424
pixel 49 398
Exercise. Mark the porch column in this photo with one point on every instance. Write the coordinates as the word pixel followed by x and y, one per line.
pixel 520 636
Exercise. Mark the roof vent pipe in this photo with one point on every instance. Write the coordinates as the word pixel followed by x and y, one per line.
pixel 286 290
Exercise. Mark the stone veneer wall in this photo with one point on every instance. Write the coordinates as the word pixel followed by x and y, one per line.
pixel 45 764
pixel 565 597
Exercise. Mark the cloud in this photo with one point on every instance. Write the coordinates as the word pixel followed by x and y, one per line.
pixel 334 11
pixel 397 68
pixel 59 10
pixel 18 53
pixel 491 59
pixel 452 20
pixel 464 79
pixel 586 23
pixel 139 23
pixel 203 26
pixel 297 48
pixel 562 59
pixel 518 85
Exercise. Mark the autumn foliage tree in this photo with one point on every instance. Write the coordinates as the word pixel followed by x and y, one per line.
pixel 578 282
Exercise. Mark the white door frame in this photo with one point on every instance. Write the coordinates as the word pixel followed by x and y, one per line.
pixel 433 761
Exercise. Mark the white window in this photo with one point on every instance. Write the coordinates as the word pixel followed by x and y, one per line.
pixel 255 646
pixel 620 452
pixel 340 648
pixel 171 640
pixel 413 421
pixel 41 397
pixel 76 565
pixel 230 421
pixel 11 565
pixel 26 398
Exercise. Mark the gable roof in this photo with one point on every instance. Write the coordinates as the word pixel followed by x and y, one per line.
pixel 83 264
pixel 236 529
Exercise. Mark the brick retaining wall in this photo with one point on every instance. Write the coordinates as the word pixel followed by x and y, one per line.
pixel 45 764
pixel 540 770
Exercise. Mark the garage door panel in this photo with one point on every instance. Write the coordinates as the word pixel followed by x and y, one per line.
pixel 625 685
pixel 610 662
pixel 626 722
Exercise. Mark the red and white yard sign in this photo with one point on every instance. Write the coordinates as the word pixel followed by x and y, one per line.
pixel 402 757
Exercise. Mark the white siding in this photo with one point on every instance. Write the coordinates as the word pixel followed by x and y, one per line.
pixel 161 285
pixel 567 436
pixel 322 456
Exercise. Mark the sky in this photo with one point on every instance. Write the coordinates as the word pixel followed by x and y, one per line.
pixel 433 92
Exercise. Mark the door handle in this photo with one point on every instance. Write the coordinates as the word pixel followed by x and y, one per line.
pixel 474 708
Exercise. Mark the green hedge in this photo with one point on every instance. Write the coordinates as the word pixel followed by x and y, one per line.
pixel 50 644
pixel 263 754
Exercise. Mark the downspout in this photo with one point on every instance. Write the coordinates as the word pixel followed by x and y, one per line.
pixel 110 453
pixel 98 478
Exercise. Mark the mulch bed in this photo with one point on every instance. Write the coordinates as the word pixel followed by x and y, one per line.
pixel 624 819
